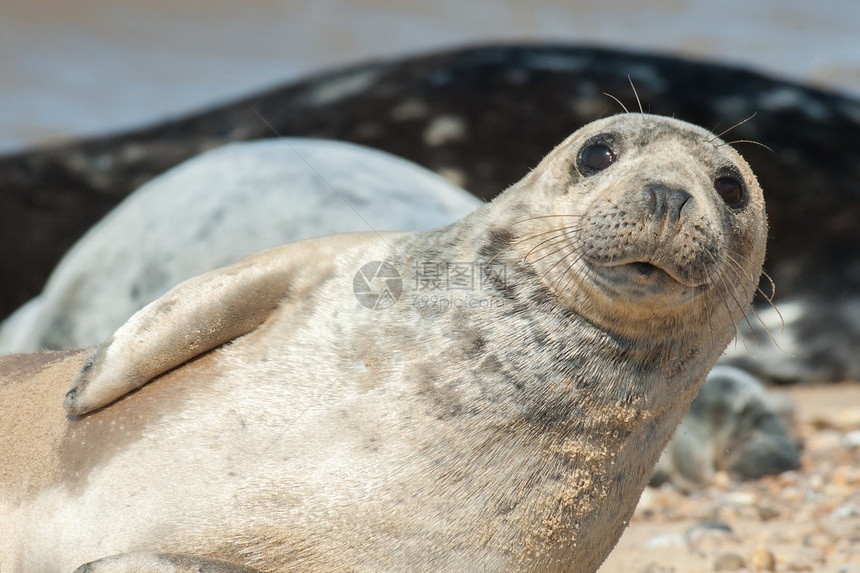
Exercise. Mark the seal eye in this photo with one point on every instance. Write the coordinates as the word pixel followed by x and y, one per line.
pixel 730 190
pixel 595 157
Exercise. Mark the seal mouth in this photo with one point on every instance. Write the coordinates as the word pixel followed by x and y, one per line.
pixel 641 279
pixel 645 271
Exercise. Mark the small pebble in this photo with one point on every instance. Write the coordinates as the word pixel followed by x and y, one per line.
pixel 729 562
pixel 722 480
pixel 657 568
pixel 851 440
pixel 741 498
pixel 816 540
pixel 763 560
pixel 767 512
pixel 710 535
pixel 708 528
pixel 666 540
pixel 647 501
pixel 846 511
pixel 846 419
pixel 812 557
pixel 824 440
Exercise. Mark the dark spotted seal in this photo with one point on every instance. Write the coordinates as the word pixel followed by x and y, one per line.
pixel 484 116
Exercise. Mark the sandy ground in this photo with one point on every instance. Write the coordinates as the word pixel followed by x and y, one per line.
pixel 808 520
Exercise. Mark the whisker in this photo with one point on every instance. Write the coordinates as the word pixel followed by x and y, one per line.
pixel 555 240
pixel 710 314
pixel 772 287
pixel 513 244
pixel 750 141
pixel 768 298
pixel 743 307
pixel 573 276
pixel 618 101
pixel 518 221
pixel 542 233
pixel 738 124
pixel 629 79
pixel 750 308
pixel 566 246
pixel 727 286
pixel 572 249
pixel 737 266
pixel 563 273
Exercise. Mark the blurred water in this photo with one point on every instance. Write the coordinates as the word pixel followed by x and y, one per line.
pixel 90 66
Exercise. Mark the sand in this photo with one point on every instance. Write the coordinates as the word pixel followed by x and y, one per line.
pixel 806 520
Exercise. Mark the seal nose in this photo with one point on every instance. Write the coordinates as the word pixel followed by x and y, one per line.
pixel 668 202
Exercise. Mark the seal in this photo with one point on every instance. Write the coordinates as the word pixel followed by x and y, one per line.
pixel 733 425
pixel 268 416
pixel 215 210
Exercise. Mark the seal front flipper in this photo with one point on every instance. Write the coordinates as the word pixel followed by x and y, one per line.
pixel 204 312
pixel 162 562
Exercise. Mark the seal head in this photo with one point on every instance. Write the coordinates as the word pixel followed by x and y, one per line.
pixel 653 218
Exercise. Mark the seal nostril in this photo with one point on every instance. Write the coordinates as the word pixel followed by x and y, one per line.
pixel 668 201
pixel 679 199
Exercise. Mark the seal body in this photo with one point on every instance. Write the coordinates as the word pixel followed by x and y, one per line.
pixel 510 428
